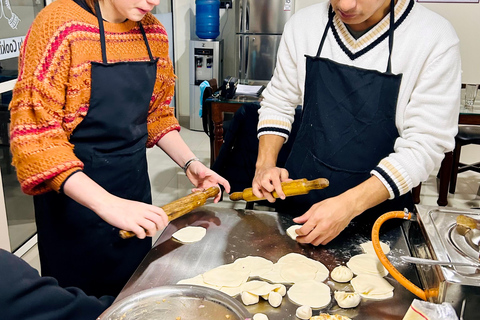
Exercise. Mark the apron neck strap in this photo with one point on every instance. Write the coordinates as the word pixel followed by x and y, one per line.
pixel 102 31
pixel 102 34
pixel 331 14
pixel 390 35
pixel 146 41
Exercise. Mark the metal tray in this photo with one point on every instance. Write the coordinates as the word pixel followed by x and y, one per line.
pixel 176 302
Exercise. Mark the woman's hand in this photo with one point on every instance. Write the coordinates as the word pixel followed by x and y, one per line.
pixel 141 218
pixel 204 178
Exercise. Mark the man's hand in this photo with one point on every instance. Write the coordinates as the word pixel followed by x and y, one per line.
pixel 267 180
pixel 326 219
pixel 268 177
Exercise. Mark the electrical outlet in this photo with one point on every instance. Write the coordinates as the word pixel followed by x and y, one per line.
pixel 223 4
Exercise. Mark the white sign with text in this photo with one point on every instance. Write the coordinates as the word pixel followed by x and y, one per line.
pixel 10 47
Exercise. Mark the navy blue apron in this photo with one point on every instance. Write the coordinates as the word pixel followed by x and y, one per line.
pixel 348 126
pixel 76 246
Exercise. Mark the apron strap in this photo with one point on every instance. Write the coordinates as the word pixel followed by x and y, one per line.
pixel 327 27
pixel 331 14
pixel 102 31
pixel 102 34
pixel 145 39
pixel 390 35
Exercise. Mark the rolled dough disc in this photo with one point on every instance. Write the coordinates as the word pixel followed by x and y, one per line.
pixel 372 287
pixel 368 264
pixel 310 293
pixel 190 234
pixel 225 276
pixel 255 265
pixel 367 247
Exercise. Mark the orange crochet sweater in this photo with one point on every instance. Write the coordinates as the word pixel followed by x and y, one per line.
pixel 52 94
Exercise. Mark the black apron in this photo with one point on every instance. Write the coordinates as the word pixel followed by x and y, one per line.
pixel 348 126
pixel 76 246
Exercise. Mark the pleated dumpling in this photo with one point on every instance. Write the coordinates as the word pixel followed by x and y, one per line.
pixel 341 274
pixel 347 299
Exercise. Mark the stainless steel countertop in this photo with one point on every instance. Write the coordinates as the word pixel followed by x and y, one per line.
pixel 233 234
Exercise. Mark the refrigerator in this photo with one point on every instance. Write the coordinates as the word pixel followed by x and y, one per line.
pixel 258 30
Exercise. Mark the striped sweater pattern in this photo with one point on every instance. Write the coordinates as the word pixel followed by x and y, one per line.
pixel 52 94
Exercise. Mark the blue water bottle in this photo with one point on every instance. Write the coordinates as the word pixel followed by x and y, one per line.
pixel 207 19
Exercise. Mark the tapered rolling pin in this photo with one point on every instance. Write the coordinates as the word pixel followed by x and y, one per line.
pixel 179 207
pixel 290 188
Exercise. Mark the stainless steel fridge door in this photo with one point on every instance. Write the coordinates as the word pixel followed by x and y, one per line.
pixel 262 16
pixel 258 55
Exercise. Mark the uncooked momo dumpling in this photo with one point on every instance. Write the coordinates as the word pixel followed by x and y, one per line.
pixel 275 299
pixel 341 274
pixel 347 299
pixel 260 316
pixel 304 312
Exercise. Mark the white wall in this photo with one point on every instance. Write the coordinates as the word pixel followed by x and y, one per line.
pixel 465 17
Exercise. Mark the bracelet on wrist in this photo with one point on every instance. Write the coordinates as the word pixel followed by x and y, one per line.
pixel 188 163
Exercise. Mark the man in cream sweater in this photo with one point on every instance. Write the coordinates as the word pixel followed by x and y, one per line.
pixel 380 91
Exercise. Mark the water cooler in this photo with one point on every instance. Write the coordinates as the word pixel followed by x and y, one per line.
pixel 206 62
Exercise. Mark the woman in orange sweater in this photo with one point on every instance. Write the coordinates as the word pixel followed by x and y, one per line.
pixel 94 87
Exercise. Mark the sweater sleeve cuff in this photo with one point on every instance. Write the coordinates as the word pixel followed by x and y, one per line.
pixel 393 177
pixel 276 125
pixel 57 182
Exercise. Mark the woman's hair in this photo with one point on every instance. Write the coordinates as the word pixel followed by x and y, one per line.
pixel 91 4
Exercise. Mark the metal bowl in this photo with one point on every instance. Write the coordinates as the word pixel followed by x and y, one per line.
pixel 176 302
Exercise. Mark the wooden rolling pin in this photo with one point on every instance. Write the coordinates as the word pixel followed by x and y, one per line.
pixel 179 207
pixel 290 188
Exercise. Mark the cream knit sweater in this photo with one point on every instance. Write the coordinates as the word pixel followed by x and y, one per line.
pixel 425 51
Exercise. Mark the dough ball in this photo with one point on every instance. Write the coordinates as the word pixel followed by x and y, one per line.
pixel 291 231
pixel 260 316
pixel 367 247
pixel 304 312
pixel 341 274
pixel 190 234
pixel 347 299
pixel 275 299
pixel 249 298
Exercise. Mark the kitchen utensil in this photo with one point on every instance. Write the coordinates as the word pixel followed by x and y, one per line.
pixel 177 302
pixel 181 206
pixel 467 227
pixel 437 262
pixel 290 188
pixel 422 294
